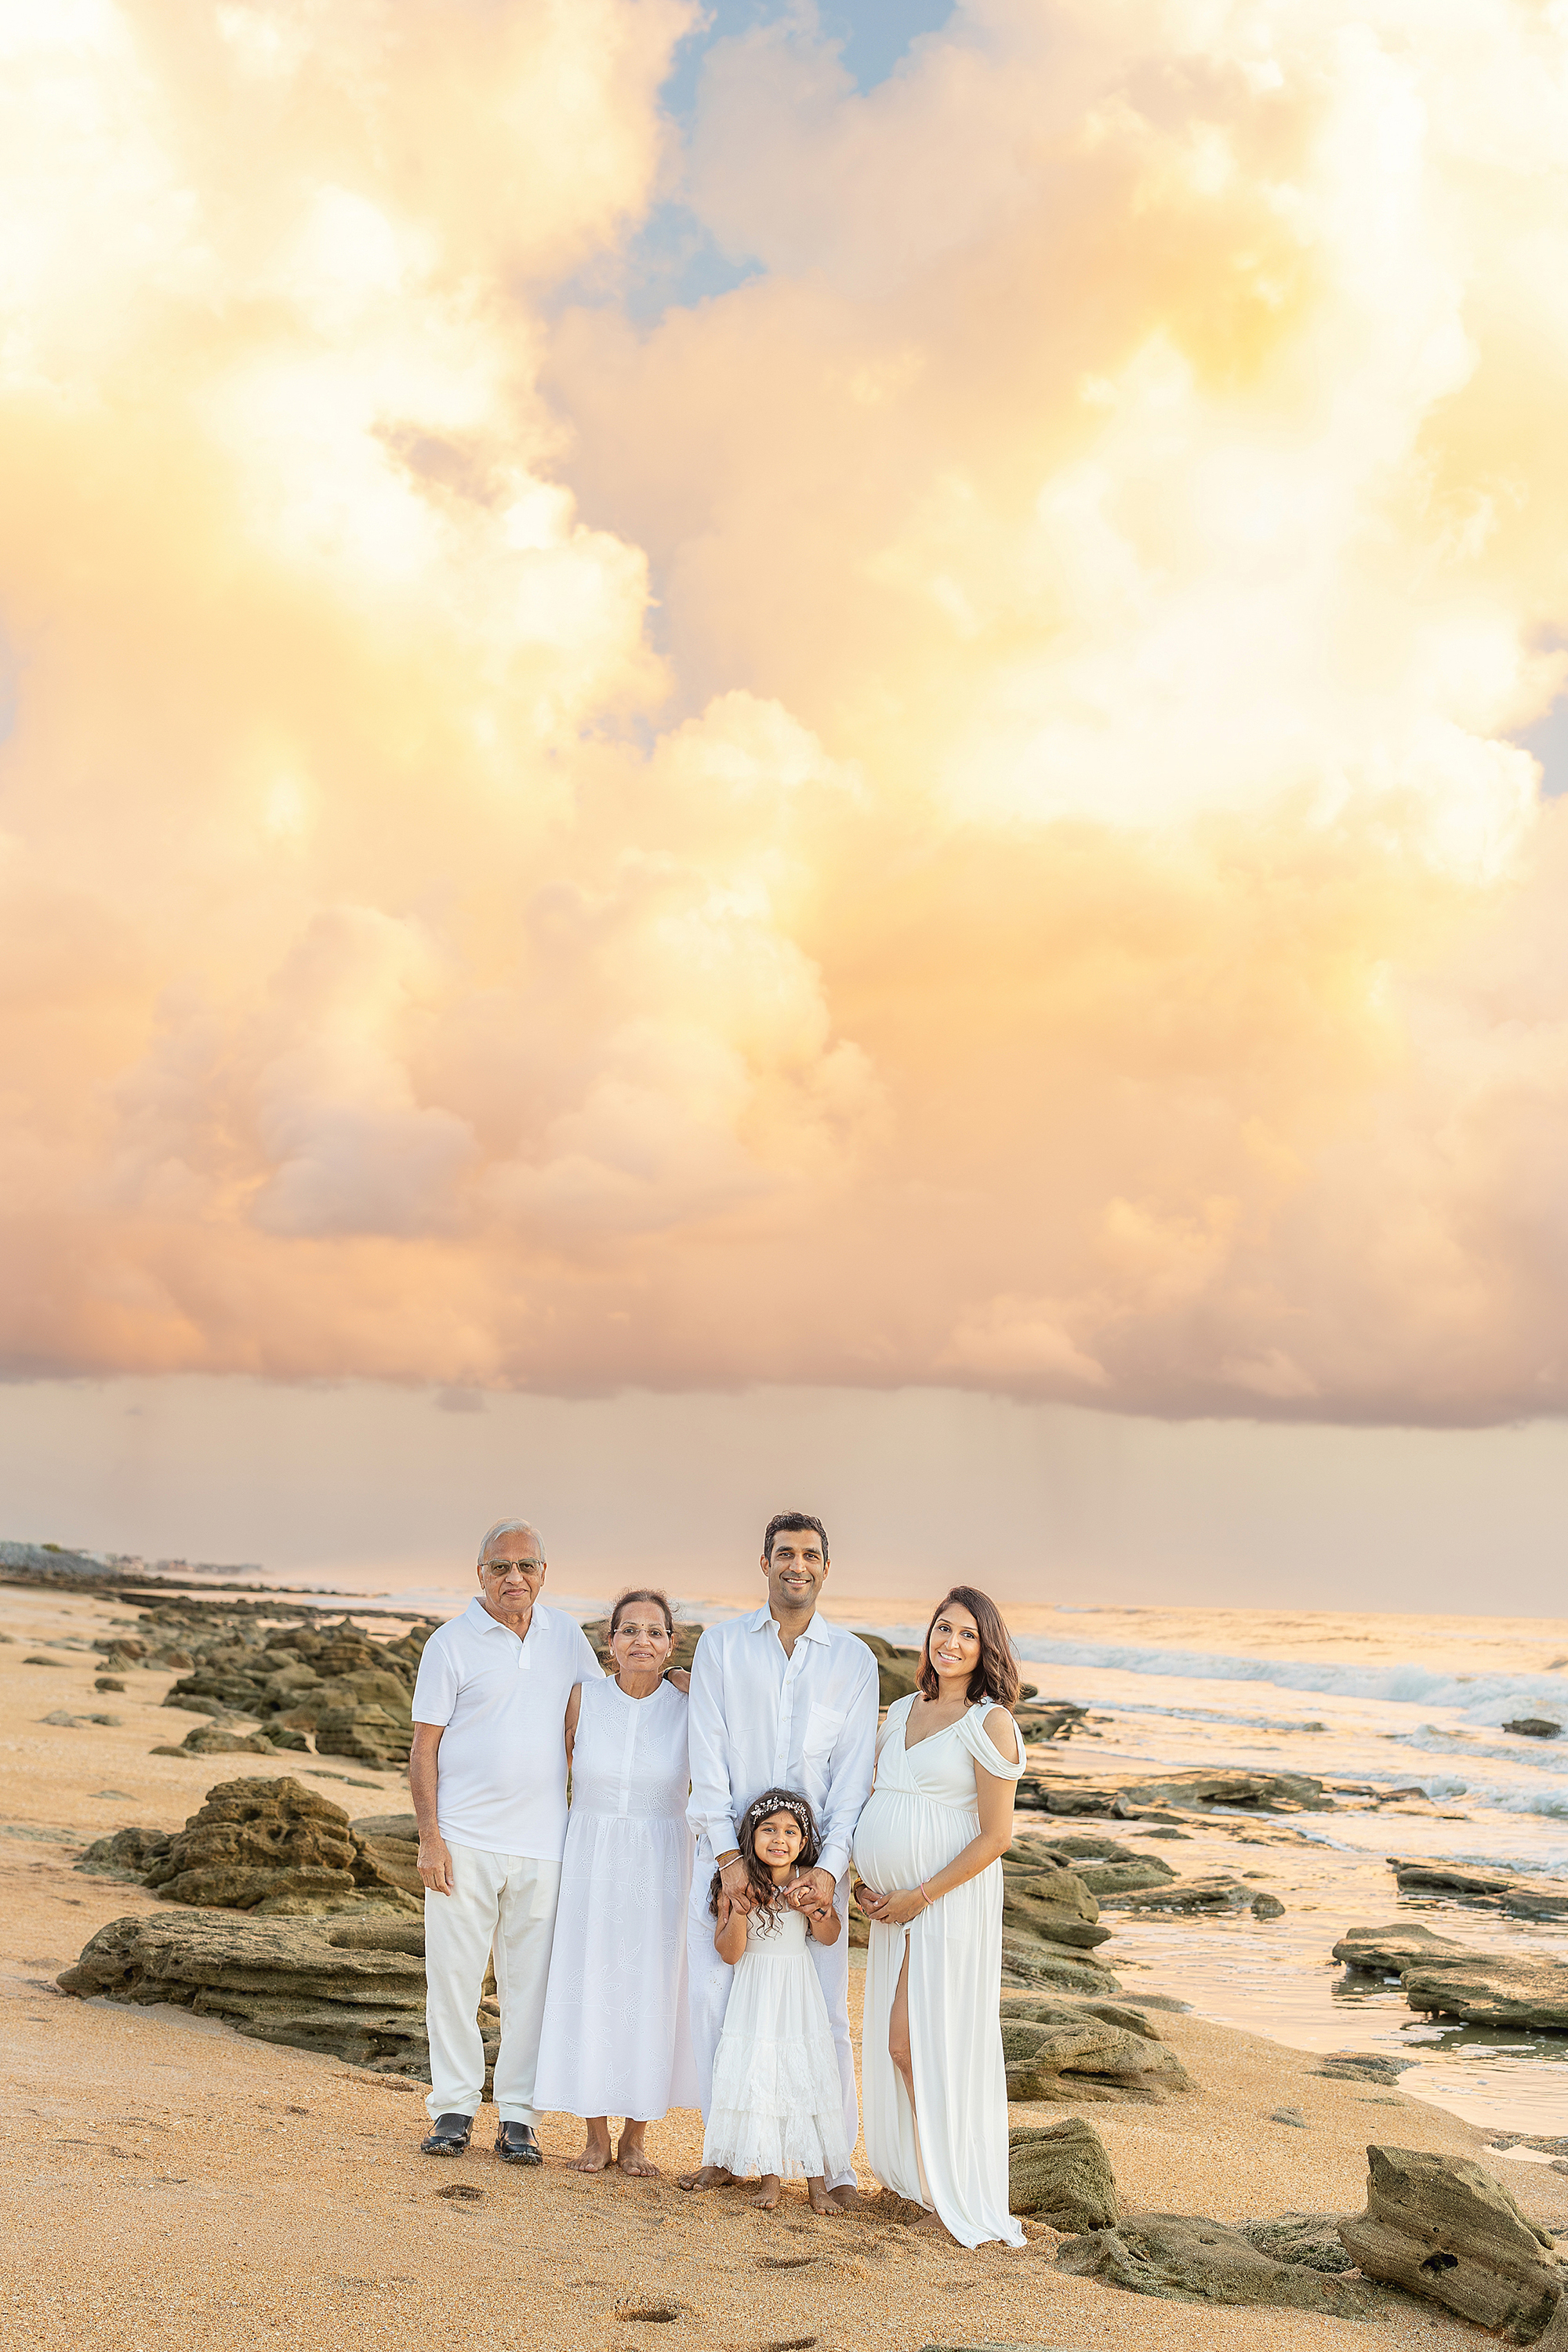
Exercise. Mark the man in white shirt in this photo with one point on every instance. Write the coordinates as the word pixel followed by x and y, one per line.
pixel 780 1700
pixel 489 1778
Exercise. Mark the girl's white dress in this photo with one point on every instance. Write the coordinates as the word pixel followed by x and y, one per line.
pixel 921 1813
pixel 616 2038
pixel 778 2100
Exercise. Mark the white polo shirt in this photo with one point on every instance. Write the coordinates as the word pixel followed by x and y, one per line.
pixel 500 1778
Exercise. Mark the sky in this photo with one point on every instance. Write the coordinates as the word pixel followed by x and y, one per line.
pixel 788 720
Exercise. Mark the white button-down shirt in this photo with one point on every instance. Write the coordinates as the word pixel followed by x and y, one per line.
pixel 500 1770
pixel 761 1720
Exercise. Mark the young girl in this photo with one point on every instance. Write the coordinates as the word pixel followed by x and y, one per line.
pixel 778 2104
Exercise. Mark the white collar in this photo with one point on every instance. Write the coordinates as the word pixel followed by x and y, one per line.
pixel 479 1617
pixel 814 1629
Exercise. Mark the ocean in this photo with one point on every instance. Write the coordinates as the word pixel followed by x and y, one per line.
pixel 1393 1702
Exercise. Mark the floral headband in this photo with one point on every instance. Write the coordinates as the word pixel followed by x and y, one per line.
pixel 775 1801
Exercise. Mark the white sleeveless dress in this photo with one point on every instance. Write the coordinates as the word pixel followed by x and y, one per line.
pixel 778 2098
pixel 617 2038
pixel 921 1813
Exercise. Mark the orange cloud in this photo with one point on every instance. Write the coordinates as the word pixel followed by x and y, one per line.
pixel 946 816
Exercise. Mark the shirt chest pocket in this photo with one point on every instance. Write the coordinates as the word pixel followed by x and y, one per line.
pixel 823 1725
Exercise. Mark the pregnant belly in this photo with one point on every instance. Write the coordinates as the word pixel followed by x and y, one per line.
pixel 899 1841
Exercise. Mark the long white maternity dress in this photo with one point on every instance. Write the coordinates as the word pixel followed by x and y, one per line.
pixel 922 1811
pixel 616 2038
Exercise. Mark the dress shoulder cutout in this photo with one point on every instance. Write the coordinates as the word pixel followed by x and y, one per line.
pixel 972 1731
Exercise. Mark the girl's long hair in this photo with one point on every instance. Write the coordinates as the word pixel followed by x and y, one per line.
pixel 771 1801
pixel 996 1675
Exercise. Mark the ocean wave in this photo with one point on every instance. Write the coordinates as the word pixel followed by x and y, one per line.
pixel 1486 1699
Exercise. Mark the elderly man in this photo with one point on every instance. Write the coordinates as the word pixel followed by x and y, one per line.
pixel 780 1700
pixel 489 1778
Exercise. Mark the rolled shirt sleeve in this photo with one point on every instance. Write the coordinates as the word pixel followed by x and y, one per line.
pixel 854 1766
pixel 711 1811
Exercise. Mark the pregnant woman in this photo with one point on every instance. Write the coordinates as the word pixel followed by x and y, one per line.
pixel 616 2039
pixel 928 1847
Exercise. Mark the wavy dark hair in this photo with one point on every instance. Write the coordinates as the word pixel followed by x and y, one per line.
pixel 996 1675
pixel 792 1523
pixel 771 1801
pixel 643 1592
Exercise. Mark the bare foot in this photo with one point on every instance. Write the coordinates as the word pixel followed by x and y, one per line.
pixel 933 2222
pixel 767 2197
pixel 595 2155
pixel 822 2200
pixel 849 2198
pixel 634 2158
pixel 712 2175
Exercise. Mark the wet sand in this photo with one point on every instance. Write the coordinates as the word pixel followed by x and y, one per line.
pixel 169 2183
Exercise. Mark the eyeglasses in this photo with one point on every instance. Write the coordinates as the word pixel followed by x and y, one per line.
pixel 499 1567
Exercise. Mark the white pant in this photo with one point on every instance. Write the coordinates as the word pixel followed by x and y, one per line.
pixel 709 1980
pixel 501 1904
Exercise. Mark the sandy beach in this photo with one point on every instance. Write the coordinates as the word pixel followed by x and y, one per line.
pixel 169 2181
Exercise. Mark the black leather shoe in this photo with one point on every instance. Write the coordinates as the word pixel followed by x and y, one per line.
pixel 515 2144
pixel 448 2137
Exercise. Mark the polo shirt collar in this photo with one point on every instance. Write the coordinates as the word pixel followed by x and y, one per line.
pixel 479 1617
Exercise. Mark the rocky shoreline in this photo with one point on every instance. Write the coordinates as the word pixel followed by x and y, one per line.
pixel 290 1923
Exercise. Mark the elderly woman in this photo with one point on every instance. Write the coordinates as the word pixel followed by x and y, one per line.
pixel 616 2039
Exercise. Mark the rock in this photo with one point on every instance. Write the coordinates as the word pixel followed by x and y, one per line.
pixel 1288 1792
pixel 1027 1962
pixel 1098 1862
pixel 1364 2066
pixel 897 1670
pixel 108 1682
pixel 215 1739
pixel 1491 1989
pixel 259 1841
pixel 393 1841
pixel 352 1989
pixel 1062 2175
pixel 370 1734
pixel 338 1675
pixel 122 1650
pixel 38 1660
pixel 1055 2051
pixel 65 1721
pixel 1291 2116
pixel 1384 1951
pixel 1534 1726
pixel 1184 1895
pixel 1443 2227
pixel 1053 1905
pixel 1048 1718
pixel 1032 1852
pixel 1185 2259
pixel 1525 1898
pixel 1313 2239
pixel 125 1854
pixel 1268 1906
pixel 1112 2012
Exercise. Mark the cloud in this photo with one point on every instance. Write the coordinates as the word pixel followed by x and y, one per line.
pixel 949 815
